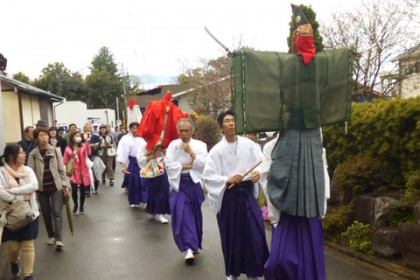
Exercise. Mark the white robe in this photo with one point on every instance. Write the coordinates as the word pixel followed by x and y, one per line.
pixel 142 154
pixel 273 212
pixel 134 115
pixel 175 157
pixel 224 163
pixel 129 147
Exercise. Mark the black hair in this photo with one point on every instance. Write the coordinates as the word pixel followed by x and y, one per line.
pixel 10 154
pixel 71 139
pixel 41 129
pixel 73 124
pixel 133 124
pixel 222 115
pixel 26 130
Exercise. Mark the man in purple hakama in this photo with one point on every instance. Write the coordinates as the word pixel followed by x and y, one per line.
pixel 126 156
pixel 184 162
pixel 239 217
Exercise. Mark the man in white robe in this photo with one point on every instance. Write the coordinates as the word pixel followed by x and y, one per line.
pixel 184 162
pixel 239 217
pixel 126 156
pixel 273 212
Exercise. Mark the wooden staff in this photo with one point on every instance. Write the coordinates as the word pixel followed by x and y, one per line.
pixel 249 171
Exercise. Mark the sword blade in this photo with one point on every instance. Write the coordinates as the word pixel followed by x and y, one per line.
pixel 217 40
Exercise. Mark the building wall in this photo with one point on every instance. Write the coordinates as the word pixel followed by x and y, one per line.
pixel 30 109
pixel 410 86
pixel 184 105
pixel 2 119
pixel 71 112
pixel 12 129
pixel 102 116
pixel 45 110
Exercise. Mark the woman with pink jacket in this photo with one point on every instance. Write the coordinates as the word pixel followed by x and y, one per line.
pixel 80 180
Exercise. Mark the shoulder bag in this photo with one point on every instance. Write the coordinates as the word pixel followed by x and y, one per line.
pixel 18 214
pixel 70 167
pixel 111 151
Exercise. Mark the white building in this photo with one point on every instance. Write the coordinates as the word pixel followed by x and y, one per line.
pixel 76 112
pixel 22 105
pixel 68 112
pixel 407 78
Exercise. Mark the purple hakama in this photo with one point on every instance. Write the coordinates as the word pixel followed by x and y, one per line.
pixel 158 195
pixel 187 218
pixel 136 187
pixel 297 250
pixel 242 232
pixel 125 181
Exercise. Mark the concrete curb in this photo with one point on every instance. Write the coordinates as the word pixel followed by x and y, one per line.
pixel 382 263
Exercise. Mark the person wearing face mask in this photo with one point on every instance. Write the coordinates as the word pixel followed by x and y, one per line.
pixel 80 180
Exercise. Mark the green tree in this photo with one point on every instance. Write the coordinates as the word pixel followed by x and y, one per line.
pixel 103 89
pixel 211 82
pixel 104 83
pixel 59 80
pixel 105 60
pixel 22 77
pixel 311 16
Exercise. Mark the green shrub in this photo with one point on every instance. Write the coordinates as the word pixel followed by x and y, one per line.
pixel 361 174
pixel 336 221
pixel 411 192
pixel 359 237
pixel 386 129
pixel 402 215
pixel 207 130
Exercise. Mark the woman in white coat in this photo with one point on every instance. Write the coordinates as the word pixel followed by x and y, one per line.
pixel 18 181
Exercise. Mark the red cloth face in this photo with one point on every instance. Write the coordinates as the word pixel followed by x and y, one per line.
pixel 305 46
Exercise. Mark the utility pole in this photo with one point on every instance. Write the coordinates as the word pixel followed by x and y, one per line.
pixel 124 93
pixel 118 112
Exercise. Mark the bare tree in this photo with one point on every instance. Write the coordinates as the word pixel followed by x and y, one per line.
pixel 377 31
pixel 211 83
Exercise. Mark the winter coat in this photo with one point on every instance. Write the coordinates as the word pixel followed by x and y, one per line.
pixel 58 170
pixel 81 171
pixel 29 188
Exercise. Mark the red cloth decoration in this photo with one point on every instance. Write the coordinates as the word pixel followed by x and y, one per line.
pixel 153 121
pixel 131 103
pixel 305 46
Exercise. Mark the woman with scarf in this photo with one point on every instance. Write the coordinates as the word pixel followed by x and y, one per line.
pixel 18 181
pixel 77 152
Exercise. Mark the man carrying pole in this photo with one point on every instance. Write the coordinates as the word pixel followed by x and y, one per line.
pixel 231 177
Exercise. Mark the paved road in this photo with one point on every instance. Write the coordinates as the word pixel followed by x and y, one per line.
pixel 113 241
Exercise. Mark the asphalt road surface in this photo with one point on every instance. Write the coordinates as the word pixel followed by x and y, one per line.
pixel 116 242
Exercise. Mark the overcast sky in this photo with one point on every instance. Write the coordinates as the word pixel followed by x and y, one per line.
pixel 148 37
